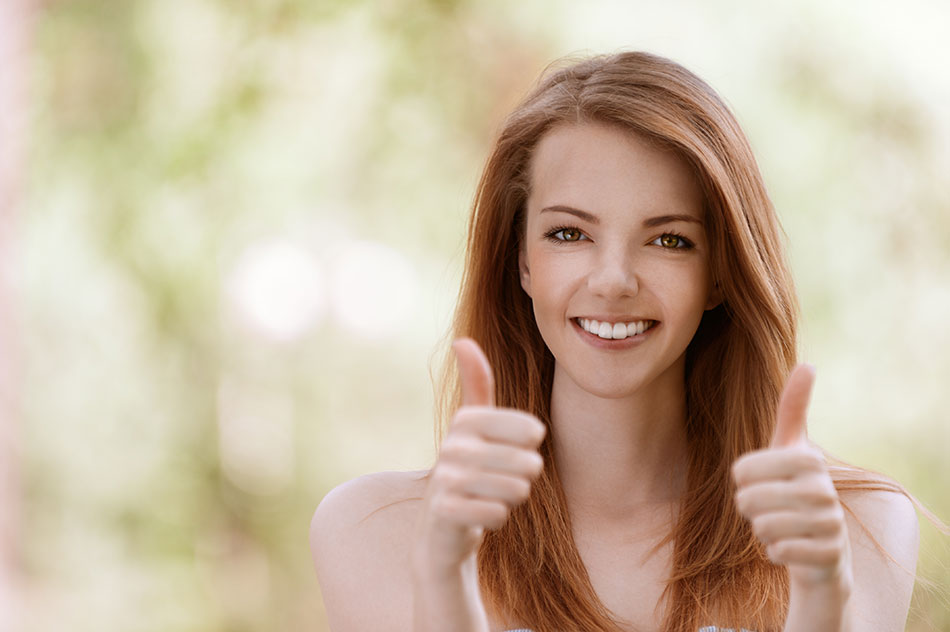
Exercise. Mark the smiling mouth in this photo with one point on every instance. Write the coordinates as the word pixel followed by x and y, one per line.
pixel 615 331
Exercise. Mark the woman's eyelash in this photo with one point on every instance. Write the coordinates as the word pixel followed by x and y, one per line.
pixel 687 244
pixel 551 234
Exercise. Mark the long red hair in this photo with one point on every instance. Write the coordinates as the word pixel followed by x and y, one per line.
pixel 530 571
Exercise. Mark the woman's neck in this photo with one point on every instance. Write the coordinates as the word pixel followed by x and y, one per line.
pixel 619 457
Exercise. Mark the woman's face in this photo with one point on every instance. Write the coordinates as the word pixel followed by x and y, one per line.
pixel 614 257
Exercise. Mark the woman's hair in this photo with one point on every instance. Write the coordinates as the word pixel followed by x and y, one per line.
pixel 736 365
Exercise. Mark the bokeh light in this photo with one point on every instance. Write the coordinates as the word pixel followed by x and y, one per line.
pixel 374 290
pixel 278 289
pixel 234 245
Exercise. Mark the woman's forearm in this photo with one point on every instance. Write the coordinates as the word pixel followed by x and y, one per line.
pixel 819 609
pixel 444 601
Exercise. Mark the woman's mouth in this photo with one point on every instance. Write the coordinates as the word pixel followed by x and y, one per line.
pixel 614 331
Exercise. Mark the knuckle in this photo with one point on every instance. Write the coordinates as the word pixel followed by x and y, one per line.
pixel 807 461
pixel 828 554
pixel 451 477
pixel 820 490
pixel 468 419
pixel 449 450
pixel 530 426
pixel 830 524
pixel 776 551
pixel 461 420
pixel 540 431
pixel 522 489
pixel 812 459
pixel 739 471
pixel 495 515
pixel 532 463
pixel 442 505
pixel 462 449
pixel 761 527
pixel 742 500
pixel 816 455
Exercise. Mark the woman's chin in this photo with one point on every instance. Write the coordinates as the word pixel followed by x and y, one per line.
pixel 615 388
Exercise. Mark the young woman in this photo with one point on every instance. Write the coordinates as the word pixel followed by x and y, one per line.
pixel 627 450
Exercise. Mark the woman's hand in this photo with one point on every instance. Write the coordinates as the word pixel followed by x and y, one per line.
pixel 788 495
pixel 485 468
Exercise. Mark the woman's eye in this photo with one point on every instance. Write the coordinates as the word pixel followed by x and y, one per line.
pixel 566 234
pixel 672 241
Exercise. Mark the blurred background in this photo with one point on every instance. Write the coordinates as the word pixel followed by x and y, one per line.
pixel 231 236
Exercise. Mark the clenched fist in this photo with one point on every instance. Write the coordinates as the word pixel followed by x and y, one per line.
pixel 485 468
pixel 790 499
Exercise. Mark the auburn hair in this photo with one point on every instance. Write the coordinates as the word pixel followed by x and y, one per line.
pixel 530 571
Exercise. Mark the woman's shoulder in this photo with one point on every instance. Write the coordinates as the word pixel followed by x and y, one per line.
pixel 355 508
pixel 360 540
pixel 348 500
pixel 883 518
pixel 884 533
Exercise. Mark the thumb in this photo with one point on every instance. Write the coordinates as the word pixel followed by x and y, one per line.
pixel 478 384
pixel 793 407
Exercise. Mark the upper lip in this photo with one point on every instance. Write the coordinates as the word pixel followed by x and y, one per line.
pixel 615 319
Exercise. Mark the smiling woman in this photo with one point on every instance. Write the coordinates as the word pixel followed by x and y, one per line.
pixel 627 446
pixel 622 266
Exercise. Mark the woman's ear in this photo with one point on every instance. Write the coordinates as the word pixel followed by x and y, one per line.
pixel 715 297
pixel 524 273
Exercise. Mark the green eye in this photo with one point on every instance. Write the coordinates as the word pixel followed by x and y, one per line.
pixel 670 241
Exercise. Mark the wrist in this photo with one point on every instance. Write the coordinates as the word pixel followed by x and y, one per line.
pixel 447 597
pixel 837 586
pixel 427 568
pixel 820 606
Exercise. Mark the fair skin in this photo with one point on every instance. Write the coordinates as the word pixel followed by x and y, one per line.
pixel 614 233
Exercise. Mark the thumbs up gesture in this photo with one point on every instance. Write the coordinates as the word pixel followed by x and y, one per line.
pixel 485 468
pixel 790 499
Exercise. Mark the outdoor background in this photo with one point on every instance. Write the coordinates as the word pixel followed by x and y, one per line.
pixel 237 237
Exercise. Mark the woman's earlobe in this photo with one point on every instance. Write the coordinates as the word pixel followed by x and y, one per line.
pixel 715 298
pixel 524 273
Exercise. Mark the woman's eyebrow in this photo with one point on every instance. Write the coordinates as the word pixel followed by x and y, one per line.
pixel 584 215
pixel 659 220
pixel 650 222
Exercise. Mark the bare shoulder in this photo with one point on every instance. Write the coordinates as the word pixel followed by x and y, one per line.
pixel 885 537
pixel 890 518
pixel 360 539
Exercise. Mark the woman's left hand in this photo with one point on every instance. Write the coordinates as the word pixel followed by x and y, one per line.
pixel 791 501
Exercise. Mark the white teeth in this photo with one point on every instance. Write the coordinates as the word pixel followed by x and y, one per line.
pixel 615 331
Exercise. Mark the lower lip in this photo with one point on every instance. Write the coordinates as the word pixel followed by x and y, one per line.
pixel 614 345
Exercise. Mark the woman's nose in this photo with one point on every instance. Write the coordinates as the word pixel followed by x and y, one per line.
pixel 613 275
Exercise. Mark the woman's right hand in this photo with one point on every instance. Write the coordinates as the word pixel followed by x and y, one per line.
pixel 485 468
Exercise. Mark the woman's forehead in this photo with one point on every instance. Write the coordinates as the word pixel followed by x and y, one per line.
pixel 596 166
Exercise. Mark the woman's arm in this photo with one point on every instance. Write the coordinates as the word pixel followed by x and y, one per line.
pixel 882 589
pixel 880 592
pixel 384 564
pixel 360 542
pixel 373 574
pixel 447 601
pixel 840 582
pixel 486 465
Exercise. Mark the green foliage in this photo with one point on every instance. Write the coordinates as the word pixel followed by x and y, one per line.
pixel 174 453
